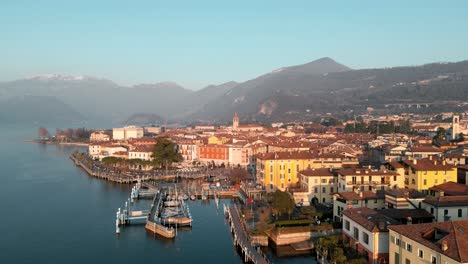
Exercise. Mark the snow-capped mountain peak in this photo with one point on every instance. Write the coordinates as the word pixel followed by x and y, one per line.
pixel 61 77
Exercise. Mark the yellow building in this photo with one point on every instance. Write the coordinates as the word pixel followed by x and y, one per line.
pixel 279 170
pixel 439 243
pixel 425 173
pixel 214 140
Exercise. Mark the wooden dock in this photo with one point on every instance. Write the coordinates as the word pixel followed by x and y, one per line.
pixel 241 238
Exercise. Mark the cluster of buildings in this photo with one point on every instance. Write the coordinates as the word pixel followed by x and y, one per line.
pixel 400 198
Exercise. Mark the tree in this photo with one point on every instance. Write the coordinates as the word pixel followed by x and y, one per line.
pixel 237 175
pixel 165 153
pixel 440 134
pixel 282 202
pixel 43 133
pixel 338 256
pixel 461 137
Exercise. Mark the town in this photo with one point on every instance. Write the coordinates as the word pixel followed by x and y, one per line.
pixel 395 193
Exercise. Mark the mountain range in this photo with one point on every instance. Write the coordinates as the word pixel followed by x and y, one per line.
pixel 295 92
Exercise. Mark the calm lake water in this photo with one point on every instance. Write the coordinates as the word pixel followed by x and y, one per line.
pixel 53 212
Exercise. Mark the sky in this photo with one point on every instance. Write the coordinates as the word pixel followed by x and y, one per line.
pixel 197 43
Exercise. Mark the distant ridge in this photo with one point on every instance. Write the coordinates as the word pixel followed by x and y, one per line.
pixel 294 92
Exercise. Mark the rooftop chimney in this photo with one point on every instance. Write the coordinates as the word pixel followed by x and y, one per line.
pixel 430 157
pixel 360 194
pixel 415 161
pixel 409 220
pixel 444 245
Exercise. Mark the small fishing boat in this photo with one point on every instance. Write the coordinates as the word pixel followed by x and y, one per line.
pixel 185 197
pixel 193 197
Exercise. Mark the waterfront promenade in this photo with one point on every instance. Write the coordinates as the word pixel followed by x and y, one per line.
pixel 98 170
pixel 241 237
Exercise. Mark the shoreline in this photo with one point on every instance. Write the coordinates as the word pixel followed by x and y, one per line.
pixel 78 144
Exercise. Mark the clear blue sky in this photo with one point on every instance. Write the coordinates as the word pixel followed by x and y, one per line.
pixel 196 43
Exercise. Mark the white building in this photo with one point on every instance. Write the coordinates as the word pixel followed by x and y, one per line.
pixel 357 199
pixel 188 149
pixel 446 208
pixel 238 155
pixel 126 133
pixel 366 230
pixel 100 151
pixel 99 136
pixel 141 152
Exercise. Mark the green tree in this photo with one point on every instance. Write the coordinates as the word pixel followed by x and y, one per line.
pixel 165 153
pixel 282 202
pixel 337 256
pixel 461 137
pixel 440 135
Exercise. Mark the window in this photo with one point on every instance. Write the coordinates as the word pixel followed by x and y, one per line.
pixel 375 201
pixel 347 225
pixel 282 185
pixel 433 260
pixel 409 247
pixel 420 253
pixel 397 241
pixel 445 212
pixel 392 239
pixel 407 261
pixel 459 212
pixel 432 210
pixel 365 201
pixel 282 176
pixel 316 190
pixel 425 182
pixel 365 238
pixel 413 181
pixel 324 190
pixel 331 189
pixel 289 170
pixel 356 233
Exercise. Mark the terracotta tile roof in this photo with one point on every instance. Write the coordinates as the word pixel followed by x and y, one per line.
pixel 405 213
pixel 428 165
pixel 370 219
pixel 287 155
pixel 142 148
pixel 447 201
pixel 317 172
pixel 429 149
pixel 405 193
pixel 455 236
pixel 396 165
pixel 453 155
pixel 451 188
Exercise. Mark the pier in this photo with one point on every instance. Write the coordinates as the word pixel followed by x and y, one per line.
pixel 153 223
pixel 241 238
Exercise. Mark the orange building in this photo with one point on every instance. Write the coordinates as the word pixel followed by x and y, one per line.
pixel 218 154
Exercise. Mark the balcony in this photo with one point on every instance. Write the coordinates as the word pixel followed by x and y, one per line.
pixel 373 183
